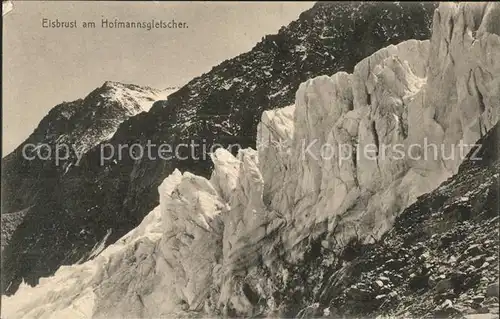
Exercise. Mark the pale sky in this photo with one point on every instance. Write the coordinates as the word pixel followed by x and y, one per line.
pixel 44 67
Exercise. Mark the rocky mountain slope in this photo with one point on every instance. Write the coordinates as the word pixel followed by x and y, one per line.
pixel 70 130
pixel 274 233
pixel 94 202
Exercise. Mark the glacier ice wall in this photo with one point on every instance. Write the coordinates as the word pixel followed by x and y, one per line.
pixel 201 248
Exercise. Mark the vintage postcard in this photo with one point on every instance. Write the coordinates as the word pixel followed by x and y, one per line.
pixel 227 159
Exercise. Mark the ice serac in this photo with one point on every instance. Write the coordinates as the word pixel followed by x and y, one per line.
pixel 398 97
pixel 463 90
pixel 341 163
pixel 345 173
pixel 113 279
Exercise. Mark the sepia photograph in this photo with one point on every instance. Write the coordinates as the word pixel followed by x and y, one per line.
pixel 250 159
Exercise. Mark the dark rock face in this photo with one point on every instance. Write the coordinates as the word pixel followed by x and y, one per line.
pixel 81 124
pixel 439 260
pixel 69 130
pixel 223 106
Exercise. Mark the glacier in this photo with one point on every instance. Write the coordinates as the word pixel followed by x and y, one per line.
pixel 201 251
